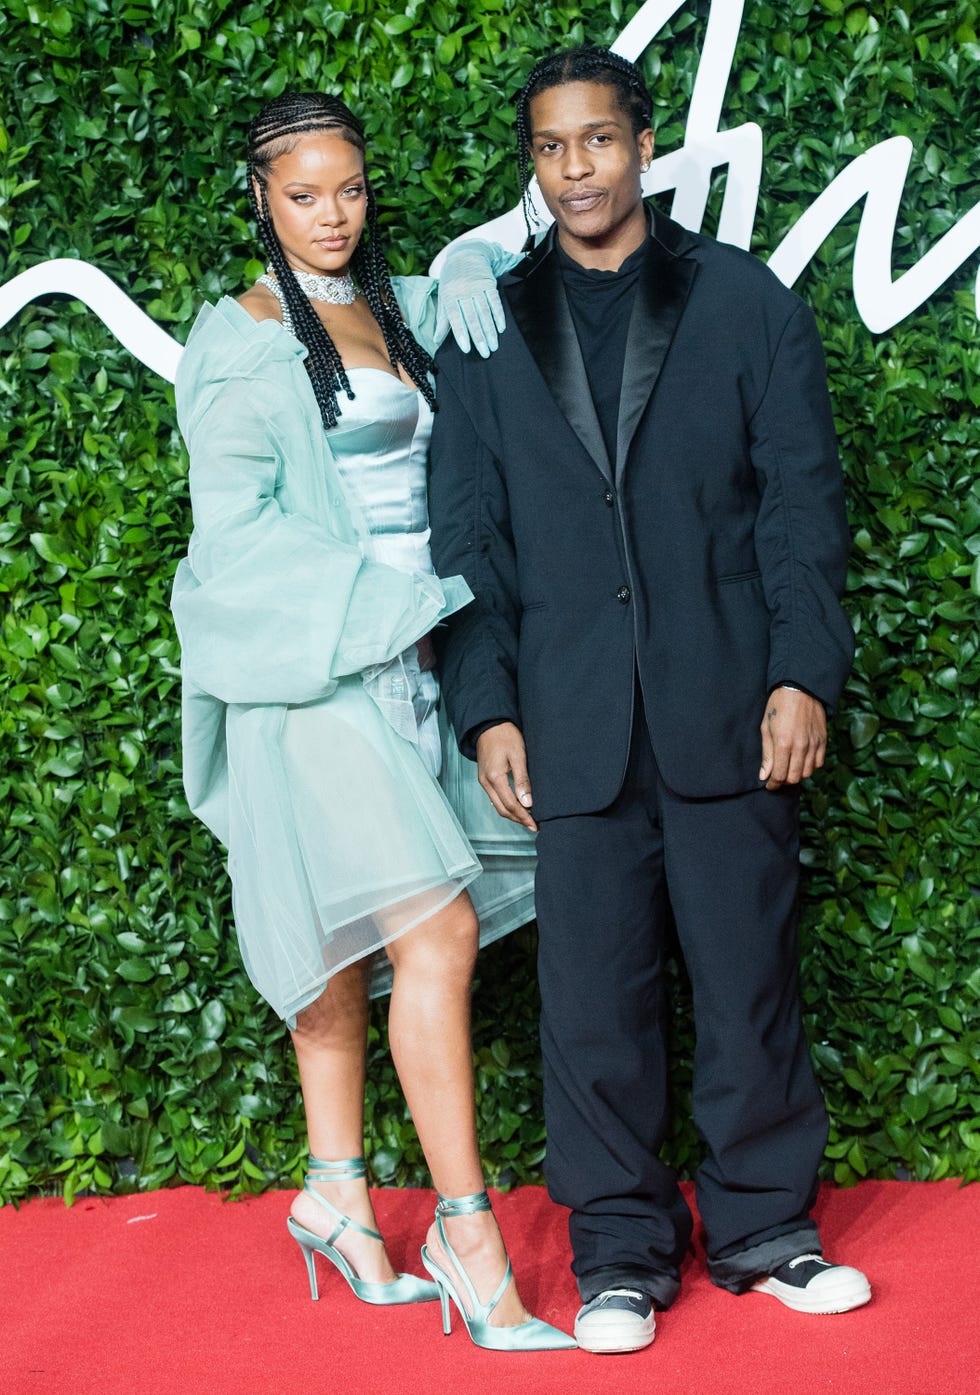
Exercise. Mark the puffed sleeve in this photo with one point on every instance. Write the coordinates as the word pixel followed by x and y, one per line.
pixel 270 606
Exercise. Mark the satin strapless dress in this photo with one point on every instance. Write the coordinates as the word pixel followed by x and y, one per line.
pixel 381 447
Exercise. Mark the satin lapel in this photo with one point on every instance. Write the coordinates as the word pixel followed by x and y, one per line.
pixel 665 283
pixel 540 308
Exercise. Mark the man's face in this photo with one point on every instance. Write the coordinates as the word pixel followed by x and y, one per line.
pixel 588 163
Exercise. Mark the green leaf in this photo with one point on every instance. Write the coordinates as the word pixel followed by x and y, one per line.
pixel 233 1156
pixel 863 727
pixel 59 21
pixel 135 970
pixel 138 1019
pixel 52 549
pixel 880 910
pixel 214 1019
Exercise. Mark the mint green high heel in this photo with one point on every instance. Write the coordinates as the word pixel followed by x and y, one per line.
pixel 533 1335
pixel 405 1289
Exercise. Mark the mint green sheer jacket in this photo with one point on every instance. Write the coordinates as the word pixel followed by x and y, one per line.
pixel 275 605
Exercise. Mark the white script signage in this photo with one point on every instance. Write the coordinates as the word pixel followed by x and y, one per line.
pixel 877 176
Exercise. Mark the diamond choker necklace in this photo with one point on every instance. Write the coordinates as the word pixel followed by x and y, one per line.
pixel 337 290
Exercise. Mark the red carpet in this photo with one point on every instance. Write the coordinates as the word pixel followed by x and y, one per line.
pixel 181 1293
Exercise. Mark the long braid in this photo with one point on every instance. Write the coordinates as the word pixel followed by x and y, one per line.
pixel 273 133
pixel 374 279
pixel 587 63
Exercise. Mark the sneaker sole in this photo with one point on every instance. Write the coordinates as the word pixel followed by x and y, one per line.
pixel 615 1338
pixel 843 1299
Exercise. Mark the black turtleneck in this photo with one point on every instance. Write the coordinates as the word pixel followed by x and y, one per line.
pixel 601 303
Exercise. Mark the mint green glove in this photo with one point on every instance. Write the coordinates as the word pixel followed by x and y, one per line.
pixel 469 302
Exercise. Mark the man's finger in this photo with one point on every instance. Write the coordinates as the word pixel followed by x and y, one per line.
pixel 796 763
pixel 807 758
pixel 767 753
pixel 522 783
pixel 514 805
pixel 504 799
pixel 778 765
pixel 493 797
pixel 814 757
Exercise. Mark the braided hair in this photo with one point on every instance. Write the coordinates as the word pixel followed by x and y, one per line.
pixel 587 63
pixel 275 132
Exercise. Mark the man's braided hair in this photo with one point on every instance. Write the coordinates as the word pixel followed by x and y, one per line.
pixel 588 63
pixel 275 132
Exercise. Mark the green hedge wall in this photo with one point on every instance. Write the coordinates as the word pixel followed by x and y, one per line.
pixel 134 1053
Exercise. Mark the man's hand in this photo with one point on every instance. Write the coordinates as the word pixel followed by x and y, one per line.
pixel 794 738
pixel 500 758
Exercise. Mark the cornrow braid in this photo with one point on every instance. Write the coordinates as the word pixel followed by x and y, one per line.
pixel 587 63
pixel 274 132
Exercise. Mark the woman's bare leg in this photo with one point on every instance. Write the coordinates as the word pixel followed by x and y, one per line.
pixel 331 1040
pixel 429 1032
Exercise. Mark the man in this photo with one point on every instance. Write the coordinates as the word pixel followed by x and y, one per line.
pixel 642 488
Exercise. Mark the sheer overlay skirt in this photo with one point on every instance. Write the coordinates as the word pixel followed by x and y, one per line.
pixel 341 840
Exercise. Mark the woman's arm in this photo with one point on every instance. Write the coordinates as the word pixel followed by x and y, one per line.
pixel 464 299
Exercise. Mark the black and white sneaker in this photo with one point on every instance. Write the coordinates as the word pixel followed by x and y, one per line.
pixel 811 1284
pixel 620 1319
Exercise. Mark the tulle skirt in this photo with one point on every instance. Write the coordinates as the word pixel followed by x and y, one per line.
pixel 342 839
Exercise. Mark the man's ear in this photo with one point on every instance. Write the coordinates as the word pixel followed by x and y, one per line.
pixel 644 144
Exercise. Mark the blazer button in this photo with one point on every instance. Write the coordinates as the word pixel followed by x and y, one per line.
pixel 608 496
pixel 623 595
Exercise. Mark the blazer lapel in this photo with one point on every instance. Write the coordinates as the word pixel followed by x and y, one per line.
pixel 661 295
pixel 540 309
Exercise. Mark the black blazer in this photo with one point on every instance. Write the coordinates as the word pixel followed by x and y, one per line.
pixel 709 557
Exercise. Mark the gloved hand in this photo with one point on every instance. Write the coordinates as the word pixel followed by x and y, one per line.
pixel 469 303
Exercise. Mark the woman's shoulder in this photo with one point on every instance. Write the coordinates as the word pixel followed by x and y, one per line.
pixel 261 303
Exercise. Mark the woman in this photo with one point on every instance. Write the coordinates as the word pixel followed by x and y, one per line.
pixel 311 742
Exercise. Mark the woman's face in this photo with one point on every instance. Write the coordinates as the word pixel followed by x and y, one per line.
pixel 317 199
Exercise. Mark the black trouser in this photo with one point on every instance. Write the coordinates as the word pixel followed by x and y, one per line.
pixel 606 883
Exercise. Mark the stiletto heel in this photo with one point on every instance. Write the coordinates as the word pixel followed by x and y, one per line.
pixel 310 1268
pixel 533 1335
pixel 447 1321
pixel 405 1289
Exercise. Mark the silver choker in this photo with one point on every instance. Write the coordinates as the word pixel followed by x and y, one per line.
pixel 336 290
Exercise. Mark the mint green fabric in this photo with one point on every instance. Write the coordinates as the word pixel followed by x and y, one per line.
pixel 339 837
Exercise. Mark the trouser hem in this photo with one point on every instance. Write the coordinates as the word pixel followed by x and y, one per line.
pixel 660 1288
pixel 738 1272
